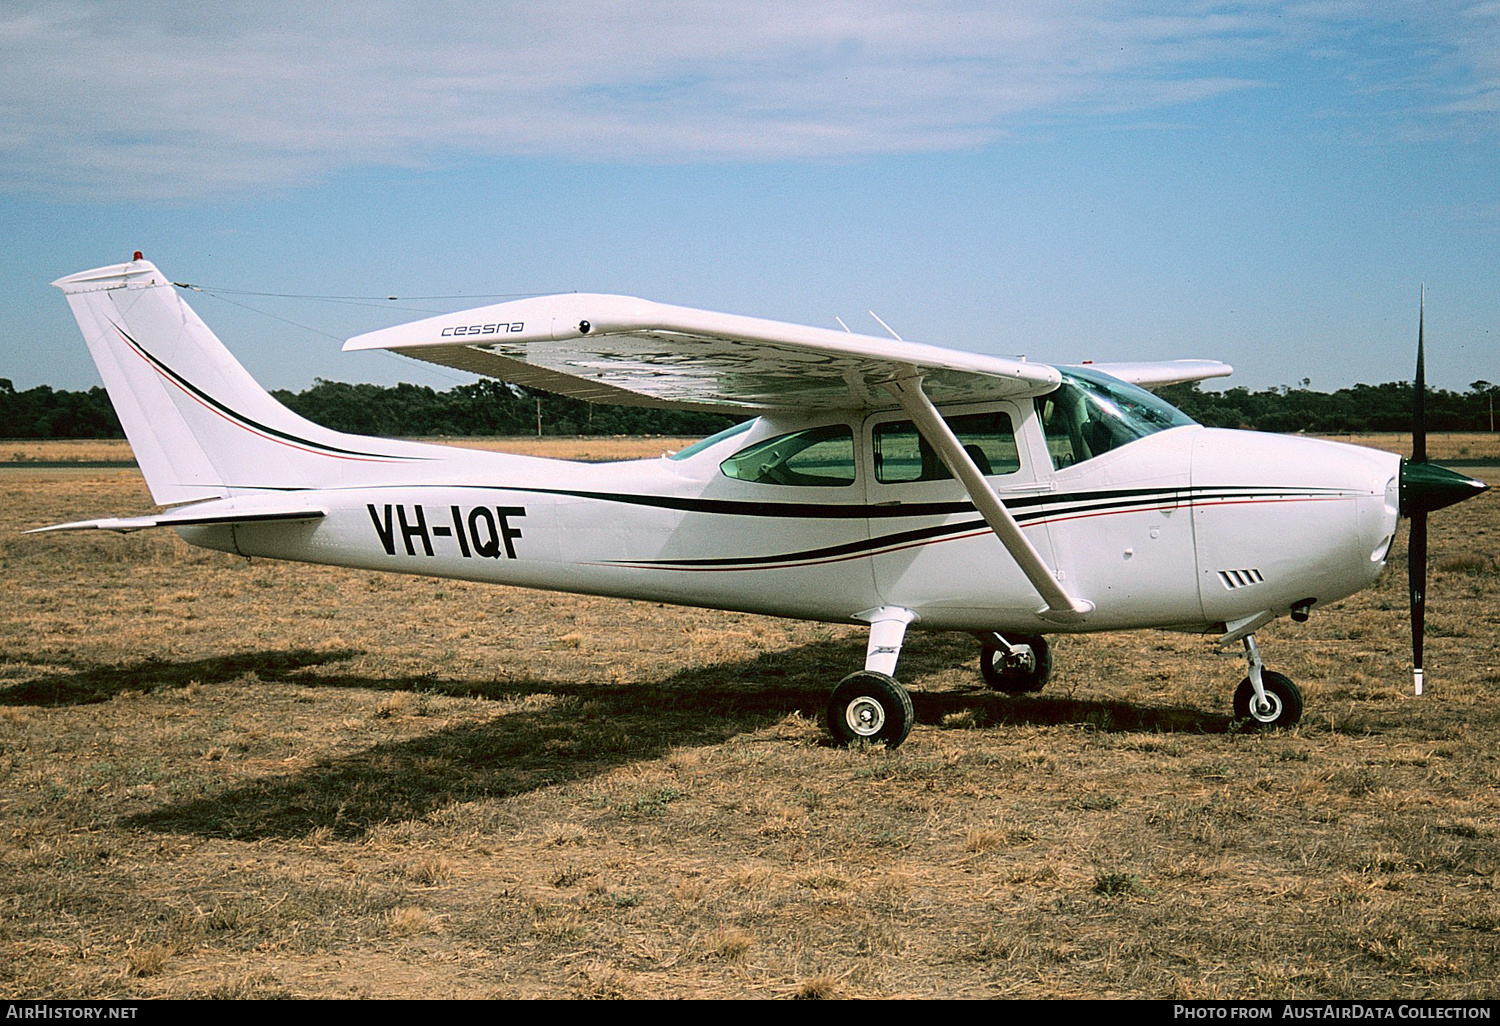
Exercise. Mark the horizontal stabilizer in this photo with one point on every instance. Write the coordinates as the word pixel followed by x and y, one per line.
pixel 200 515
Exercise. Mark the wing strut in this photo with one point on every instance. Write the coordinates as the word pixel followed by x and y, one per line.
pixel 1060 606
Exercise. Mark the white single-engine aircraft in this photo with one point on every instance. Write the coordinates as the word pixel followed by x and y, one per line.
pixel 880 482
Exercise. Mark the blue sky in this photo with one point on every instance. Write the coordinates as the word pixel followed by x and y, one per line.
pixel 1263 183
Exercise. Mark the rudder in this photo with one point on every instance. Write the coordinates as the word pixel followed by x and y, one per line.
pixel 175 465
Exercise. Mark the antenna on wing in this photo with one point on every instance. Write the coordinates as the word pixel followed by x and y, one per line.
pixel 886 326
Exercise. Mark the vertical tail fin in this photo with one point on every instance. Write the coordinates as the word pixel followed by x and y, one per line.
pixel 175 465
pixel 200 425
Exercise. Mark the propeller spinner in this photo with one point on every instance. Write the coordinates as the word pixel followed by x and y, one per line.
pixel 1424 488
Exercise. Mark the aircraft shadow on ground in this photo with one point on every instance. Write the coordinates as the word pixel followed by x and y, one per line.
pixel 571 732
pixel 89 683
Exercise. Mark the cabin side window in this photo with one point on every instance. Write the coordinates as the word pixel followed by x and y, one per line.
pixel 903 456
pixel 818 457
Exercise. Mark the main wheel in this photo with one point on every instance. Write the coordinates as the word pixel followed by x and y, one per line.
pixel 870 706
pixel 1283 702
pixel 1017 675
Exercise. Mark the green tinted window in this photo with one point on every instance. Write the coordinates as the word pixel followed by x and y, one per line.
pixel 901 455
pixel 822 456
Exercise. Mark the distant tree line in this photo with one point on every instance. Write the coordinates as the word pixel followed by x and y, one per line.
pixel 482 408
pixel 1289 410
pixel 495 408
pixel 43 412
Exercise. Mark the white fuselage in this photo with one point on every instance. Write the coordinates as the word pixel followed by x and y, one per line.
pixel 1187 528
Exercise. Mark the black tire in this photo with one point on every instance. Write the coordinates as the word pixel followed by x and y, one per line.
pixel 1285 699
pixel 1002 674
pixel 870 706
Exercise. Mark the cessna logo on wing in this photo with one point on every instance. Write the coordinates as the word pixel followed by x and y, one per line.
pixel 480 531
pixel 499 328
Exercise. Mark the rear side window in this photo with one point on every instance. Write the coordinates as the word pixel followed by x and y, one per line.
pixel 902 456
pixel 817 457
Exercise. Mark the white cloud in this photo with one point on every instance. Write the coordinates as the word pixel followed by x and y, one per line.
pixel 182 99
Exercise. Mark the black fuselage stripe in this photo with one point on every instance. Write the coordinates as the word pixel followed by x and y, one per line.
pixel 936 533
pixel 1056 507
pixel 1056 503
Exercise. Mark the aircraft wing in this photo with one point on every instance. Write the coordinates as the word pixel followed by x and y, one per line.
pixel 628 351
pixel 1164 372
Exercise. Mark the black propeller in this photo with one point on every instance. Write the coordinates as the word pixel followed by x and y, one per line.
pixel 1424 488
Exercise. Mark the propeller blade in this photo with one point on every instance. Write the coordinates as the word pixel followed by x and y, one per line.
pixel 1419 397
pixel 1416 550
pixel 1416 577
pixel 1424 488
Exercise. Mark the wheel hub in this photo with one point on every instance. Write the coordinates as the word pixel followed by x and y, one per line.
pixel 1021 662
pixel 865 716
pixel 1266 711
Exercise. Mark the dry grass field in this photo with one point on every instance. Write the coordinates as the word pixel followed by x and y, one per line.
pixel 226 778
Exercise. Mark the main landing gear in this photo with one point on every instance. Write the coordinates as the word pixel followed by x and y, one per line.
pixel 1018 666
pixel 871 705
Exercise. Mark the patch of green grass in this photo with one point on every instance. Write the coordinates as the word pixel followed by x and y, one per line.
pixel 653 802
pixel 1114 884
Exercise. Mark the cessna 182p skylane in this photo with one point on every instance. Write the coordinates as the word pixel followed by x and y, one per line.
pixel 1040 499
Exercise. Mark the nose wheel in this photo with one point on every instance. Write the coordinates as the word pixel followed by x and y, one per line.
pixel 1281 707
pixel 1265 699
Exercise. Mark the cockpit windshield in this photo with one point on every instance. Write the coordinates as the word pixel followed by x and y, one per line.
pixel 1092 413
